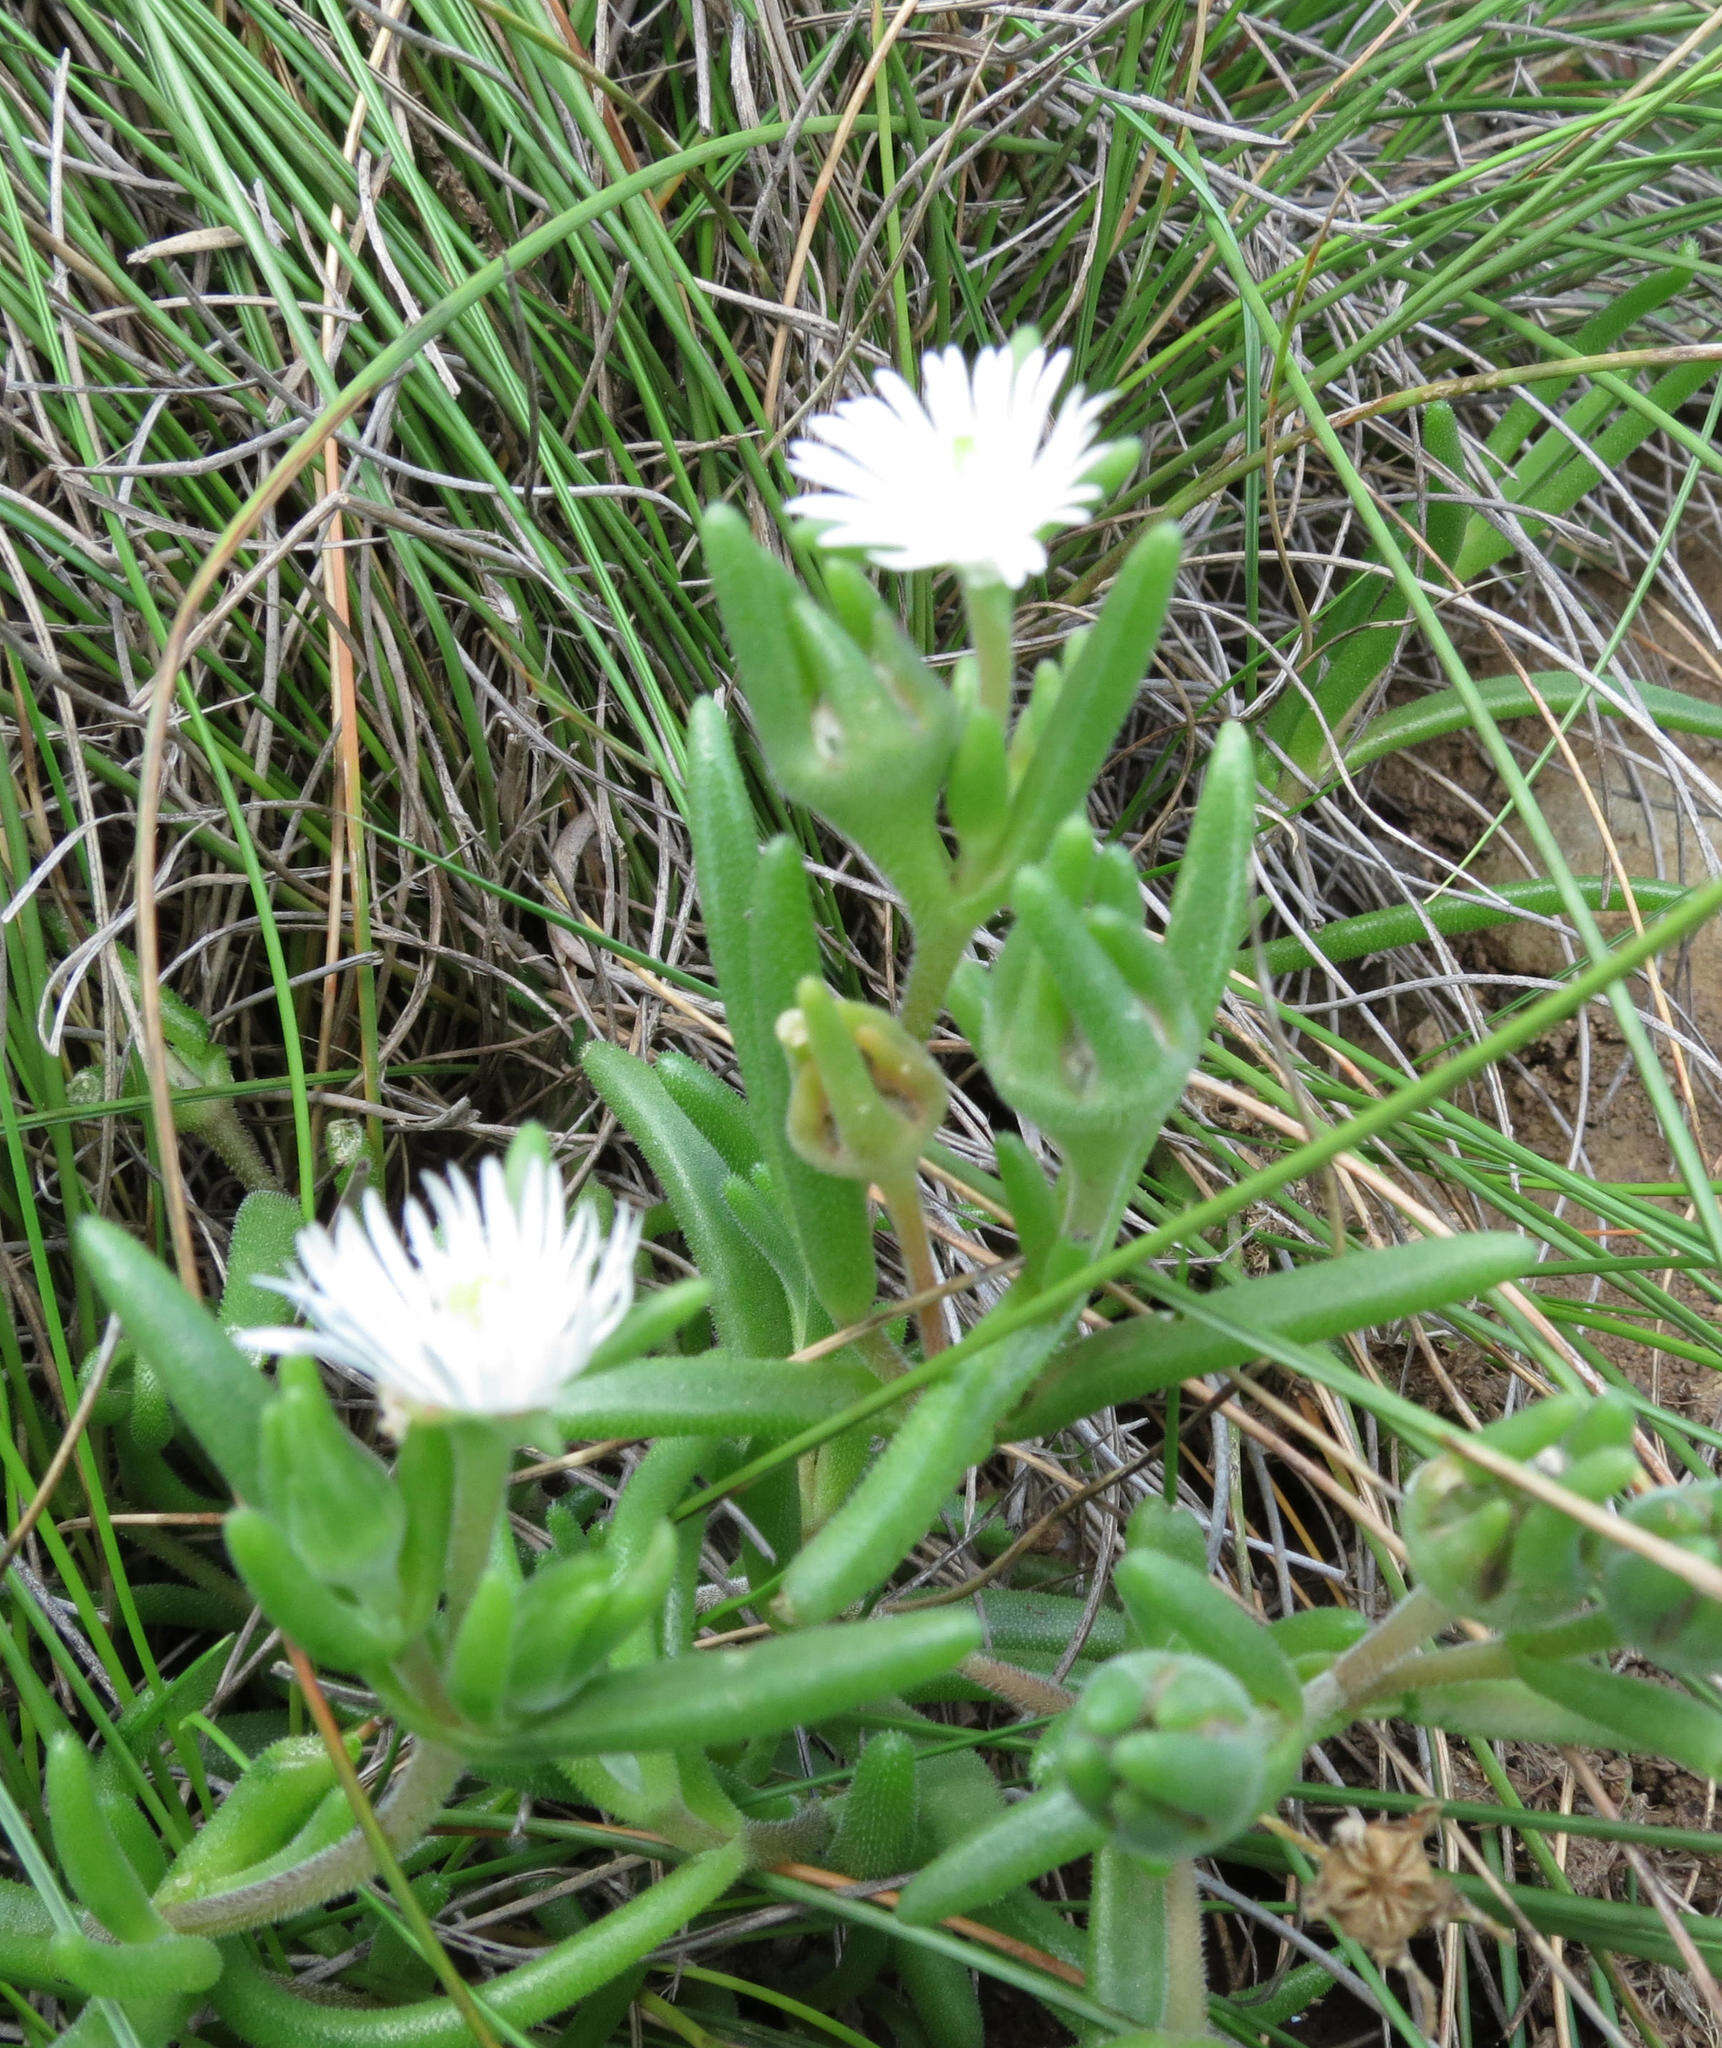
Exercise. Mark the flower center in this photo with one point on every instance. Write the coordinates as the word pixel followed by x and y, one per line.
pixel 474 1301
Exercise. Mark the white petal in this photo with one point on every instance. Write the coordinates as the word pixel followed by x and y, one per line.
pixel 488 1307
pixel 970 475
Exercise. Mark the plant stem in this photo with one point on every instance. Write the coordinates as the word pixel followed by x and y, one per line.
pixel 1431 1669
pixel 1027 1691
pixel 402 1816
pixel 383 1854
pixel 482 1456
pixel 222 1129
pixel 1145 1956
pixel 263 2010
pixel 991 608
pixel 939 945
pixel 903 1203
pixel 1186 1963
pixel 1358 1673
pixel 797 1840
pixel 880 1356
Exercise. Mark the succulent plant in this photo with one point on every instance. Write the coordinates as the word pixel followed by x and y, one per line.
pixel 1167 1750
pixel 1487 1548
pixel 1655 1610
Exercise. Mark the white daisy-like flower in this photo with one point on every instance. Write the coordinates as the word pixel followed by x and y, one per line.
pixel 967 476
pixel 479 1306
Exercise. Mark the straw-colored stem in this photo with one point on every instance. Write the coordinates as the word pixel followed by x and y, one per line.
pixel 903 1204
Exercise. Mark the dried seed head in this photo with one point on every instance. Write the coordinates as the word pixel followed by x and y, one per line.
pixel 1378 1887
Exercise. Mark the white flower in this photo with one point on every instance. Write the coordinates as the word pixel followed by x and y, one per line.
pixel 488 1307
pixel 967 477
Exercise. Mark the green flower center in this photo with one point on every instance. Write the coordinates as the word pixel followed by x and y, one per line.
pixel 473 1300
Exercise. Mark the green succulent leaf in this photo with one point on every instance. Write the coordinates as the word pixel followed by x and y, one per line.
pixel 330 1630
pixel 167 1965
pixel 747 1300
pixel 95 1866
pixel 336 1500
pixel 716 1111
pixel 829 1215
pixel 1645 1718
pixel 1100 681
pixel 260 1247
pixel 949 1429
pixel 716 1393
pixel 263 1810
pixel 1315 1302
pixel 476 1673
pixel 714 1697
pixel 216 1390
pixel 1040 1833
pixel 1167 1597
pixel 875 1833
pixel 1210 908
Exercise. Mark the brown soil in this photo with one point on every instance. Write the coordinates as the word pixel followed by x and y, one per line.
pixel 1575 1099
pixel 1615 808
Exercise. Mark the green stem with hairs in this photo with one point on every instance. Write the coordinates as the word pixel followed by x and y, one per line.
pixel 1186 2010
pixel 1145 1956
pixel 1429 1670
pixel 403 1816
pixel 940 942
pixel 482 1457
pixel 268 2013
pixel 1358 1674
pixel 991 609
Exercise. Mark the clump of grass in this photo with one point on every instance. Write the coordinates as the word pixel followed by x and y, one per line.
pixel 419 828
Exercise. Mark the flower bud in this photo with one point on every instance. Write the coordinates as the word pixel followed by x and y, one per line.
pixel 1165 1749
pixel 865 1096
pixel 853 722
pixel 1486 1548
pixel 344 1141
pixel 1656 1611
pixel 573 1611
pixel 84 1090
pixel 1083 1023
